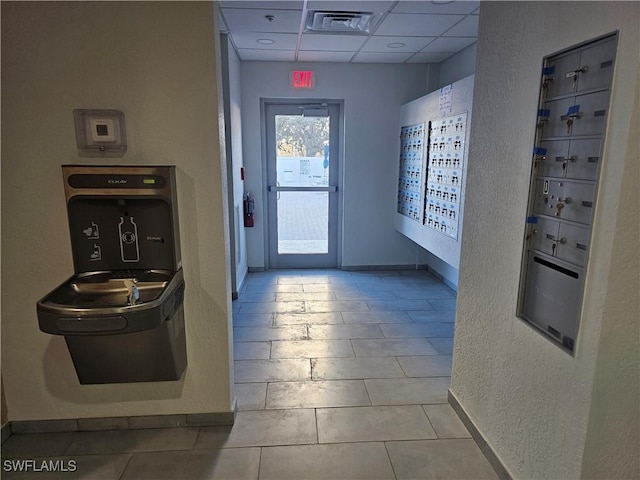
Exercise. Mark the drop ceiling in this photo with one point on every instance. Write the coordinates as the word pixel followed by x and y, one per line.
pixel 399 32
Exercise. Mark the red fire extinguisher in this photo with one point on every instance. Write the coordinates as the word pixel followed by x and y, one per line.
pixel 248 207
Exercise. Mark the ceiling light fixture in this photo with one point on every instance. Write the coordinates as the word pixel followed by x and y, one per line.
pixel 396 45
pixel 265 41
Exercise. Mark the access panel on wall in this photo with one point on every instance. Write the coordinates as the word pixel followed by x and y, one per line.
pixel 410 179
pixel 446 167
pixel 572 112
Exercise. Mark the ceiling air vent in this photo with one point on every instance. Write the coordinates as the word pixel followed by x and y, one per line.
pixel 339 22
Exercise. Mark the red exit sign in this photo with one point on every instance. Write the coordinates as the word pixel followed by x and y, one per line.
pixel 303 79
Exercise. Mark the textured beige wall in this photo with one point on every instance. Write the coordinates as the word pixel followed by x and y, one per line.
pixel 156 62
pixel 531 400
pixel 613 436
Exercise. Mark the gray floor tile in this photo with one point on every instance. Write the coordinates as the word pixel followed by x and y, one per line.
pixel 392 347
pixel 433 316
pixel 36 444
pixel 459 459
pixel 364 295
pixel 426 366
pixel 213 437
pixel 304 279
pixel 348 461
pixel 80 467
pixel 277 370
pixel 274 288
pixel 336 306
pixel 379 287
pixel 412 279
pixel 446 422
pixel 305 296
pixel 251 350
pixel 408 391
pixel 261 334
pixel 314 394
pixel 317 332
pixel 356 279
pixel 252 319
pixel 355 368
pixel 261 278
pixel 229 463
pixel 391 305
pixel 251 396
pixel 326 318
pixel 273 427
pixel 120 441
pixel 412 330
pixel 435 292
pixel 321 287
pixel 370 424
pixel 444 346
pixel 257 297
pixel 311 349
pixel 442 304
pixel 272 307
pixel 376 317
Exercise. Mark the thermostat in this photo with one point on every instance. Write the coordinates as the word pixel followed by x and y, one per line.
pixel 100 133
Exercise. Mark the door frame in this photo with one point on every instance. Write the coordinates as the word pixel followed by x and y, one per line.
pixel 340 153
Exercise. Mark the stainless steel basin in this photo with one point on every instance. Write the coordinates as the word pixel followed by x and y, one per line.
pixel 99 302
pixel 100 290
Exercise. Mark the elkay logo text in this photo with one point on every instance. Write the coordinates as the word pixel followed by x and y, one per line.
pixel 39 465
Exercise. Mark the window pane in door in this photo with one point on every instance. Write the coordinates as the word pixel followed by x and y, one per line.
pixel 302 151
pixel 303 222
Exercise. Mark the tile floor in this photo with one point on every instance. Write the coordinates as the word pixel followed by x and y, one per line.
pixel 339 375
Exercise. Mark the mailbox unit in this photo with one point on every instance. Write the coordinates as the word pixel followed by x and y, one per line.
pixel 567 157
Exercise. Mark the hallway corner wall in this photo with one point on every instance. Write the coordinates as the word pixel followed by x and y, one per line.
pixel 534 403
pixel 233 137
pixel 459 66
pixel 614 417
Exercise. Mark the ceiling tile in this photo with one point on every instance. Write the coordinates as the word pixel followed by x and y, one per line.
pixel 312 56
pixel 466 28
pixel 266 55
pixel 429 57
pixel 282 41
pixel 249 20
pixel 380 57
pixel 411 44
pixel 449 44
pixel 352 6
pixel 280 5
pixel 401 24
pixel 463 7
pixel 336 43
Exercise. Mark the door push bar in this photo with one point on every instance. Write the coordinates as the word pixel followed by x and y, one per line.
pixel 329 188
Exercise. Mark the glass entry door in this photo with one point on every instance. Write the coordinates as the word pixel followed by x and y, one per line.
pixel 302 179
